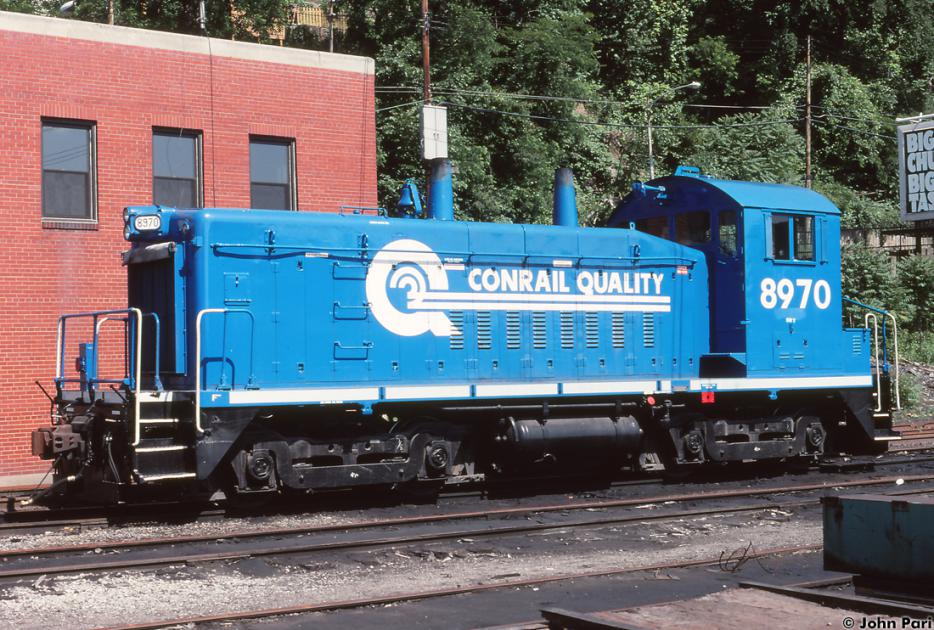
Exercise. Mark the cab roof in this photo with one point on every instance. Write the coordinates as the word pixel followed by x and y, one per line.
pixel 689 189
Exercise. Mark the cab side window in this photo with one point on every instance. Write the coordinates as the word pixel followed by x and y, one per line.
pixel 804 238
pixel 727 233
pixel 781 247
pixel 793 237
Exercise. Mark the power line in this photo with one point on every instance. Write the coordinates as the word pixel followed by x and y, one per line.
pixel 874 121
pixel 401 89
pixel 409 104
pixel 619 125
pixel 865 133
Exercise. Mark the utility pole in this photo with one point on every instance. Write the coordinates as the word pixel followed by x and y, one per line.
pixel 110 11
pixel 807 118
pixel 331 25
pixel 426 66
pixel 426 84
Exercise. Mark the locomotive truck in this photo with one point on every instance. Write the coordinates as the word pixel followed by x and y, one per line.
pixel 265 351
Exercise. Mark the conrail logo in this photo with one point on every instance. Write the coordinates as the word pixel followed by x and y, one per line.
pixel 409 289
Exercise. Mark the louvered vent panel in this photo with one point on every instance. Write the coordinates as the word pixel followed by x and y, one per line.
pixel 539 330
pixel 648 330
pixel 457 338
pixel 567 330
pixel 857 345
pixel 618 332
pixel 592 329
pixel 513 332
pixel 484 332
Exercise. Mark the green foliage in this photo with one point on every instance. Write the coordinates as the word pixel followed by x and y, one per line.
pixel 909 391
pixel 858 209
pixel 22 6
pixel 917 346
pixel 916 277
pixel 869 277
pixel 757 147
pixel 615 63
pixel 715 65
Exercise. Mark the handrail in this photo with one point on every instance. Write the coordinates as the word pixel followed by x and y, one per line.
pixel 898 398
pixel 361 211
pixel 139 373
pixel 201 314
pixel 138 330
pixel 878 367
pixel 885 358
pixel 157 350
pixel 675 260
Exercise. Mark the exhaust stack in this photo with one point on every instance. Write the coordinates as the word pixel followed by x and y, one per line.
pixel 441 191
pixel 565 202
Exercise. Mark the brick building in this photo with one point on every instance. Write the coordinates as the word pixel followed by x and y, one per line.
pixel 94 118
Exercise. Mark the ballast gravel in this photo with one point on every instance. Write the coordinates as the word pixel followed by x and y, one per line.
pixel 120 598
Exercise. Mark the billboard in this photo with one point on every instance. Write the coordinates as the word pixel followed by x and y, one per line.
pixel 916 170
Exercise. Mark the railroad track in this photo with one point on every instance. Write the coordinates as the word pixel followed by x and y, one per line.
pixel 42 520
pixel 348 604
pixel 346 537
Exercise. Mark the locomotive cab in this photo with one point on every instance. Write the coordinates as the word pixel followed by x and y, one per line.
pixel 776 308
pixel 775 305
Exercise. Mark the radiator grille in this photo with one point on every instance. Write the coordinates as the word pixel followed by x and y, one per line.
pixel 618 330
pixel 539 330
pixel 457 337
pixel 513 333
pixel 484 334
pixel 567 330
pixel 648 330
pixel 592 330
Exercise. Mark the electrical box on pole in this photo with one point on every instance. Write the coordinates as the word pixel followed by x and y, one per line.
pixel 434 132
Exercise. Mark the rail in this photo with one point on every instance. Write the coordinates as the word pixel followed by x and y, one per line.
pixel 883 366
pixel 200 317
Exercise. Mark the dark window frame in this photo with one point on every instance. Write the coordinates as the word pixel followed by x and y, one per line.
pixel 650 225
pixel 684 228
pixel 805 219
pixel 735 224
pixel 791 234
pixel 74 123
pixel 289 143
pixel 198 136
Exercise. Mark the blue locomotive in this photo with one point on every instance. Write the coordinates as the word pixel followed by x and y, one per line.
pixel 270 351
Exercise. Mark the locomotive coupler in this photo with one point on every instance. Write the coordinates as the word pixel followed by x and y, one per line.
pixel 49 442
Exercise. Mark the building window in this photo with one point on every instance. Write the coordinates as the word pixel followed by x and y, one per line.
pixel 176 168
pixel 68 167
pixel 272 173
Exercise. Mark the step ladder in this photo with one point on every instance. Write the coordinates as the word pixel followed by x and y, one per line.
pixel 886 386
pixel 165 450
